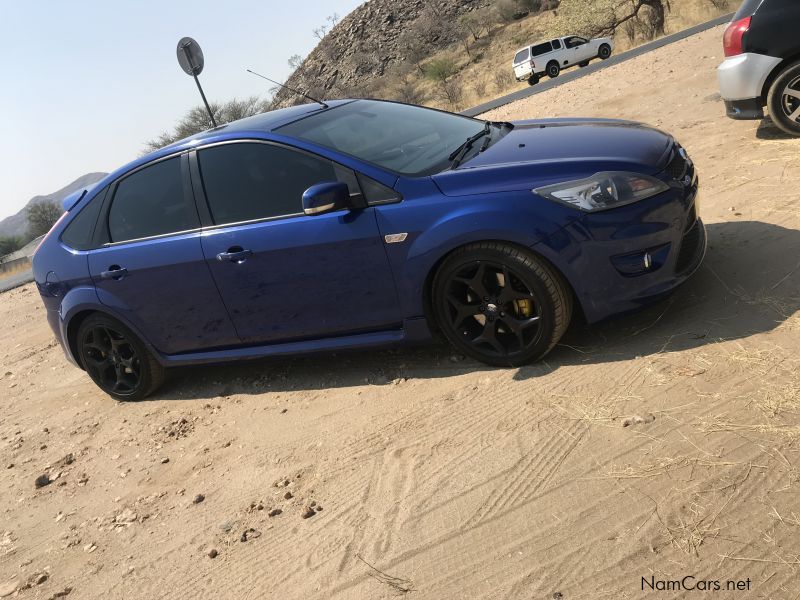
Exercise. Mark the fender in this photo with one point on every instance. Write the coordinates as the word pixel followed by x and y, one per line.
pixel 80 299
pixel 432 234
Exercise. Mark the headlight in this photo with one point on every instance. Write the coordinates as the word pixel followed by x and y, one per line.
pixel 604 190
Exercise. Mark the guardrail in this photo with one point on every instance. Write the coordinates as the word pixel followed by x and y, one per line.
pixel 597 66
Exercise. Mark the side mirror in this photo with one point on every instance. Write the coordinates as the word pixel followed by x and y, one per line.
pixel 326 197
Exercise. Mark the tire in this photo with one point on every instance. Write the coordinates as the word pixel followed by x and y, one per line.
pixel 553 69
pixel 783 100
pixel 604 51
pixel 506 325
pixel 533 80
pixel 583 64
pixel 116 360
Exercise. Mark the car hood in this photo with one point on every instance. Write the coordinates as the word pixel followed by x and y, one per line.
pixel 542 152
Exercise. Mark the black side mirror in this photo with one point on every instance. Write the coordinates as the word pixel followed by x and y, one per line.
pixel 326 197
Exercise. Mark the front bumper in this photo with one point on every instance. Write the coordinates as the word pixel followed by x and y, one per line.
pixel 601 254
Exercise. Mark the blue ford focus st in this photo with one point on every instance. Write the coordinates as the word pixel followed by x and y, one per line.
pixel 363 223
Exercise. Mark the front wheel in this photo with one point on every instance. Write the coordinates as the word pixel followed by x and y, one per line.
pixel 553 70
pixel 500 305
pixel 116 360
pixel 604 52
pixel 784 100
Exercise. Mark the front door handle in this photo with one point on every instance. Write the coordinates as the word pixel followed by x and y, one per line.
pixel 114 272
pixel 236 254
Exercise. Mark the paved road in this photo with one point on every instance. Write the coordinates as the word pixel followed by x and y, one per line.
pixel 16 280
pixel 616 59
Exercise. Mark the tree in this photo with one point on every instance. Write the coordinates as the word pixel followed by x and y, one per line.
pixel 10 244
pixel 441 69
pixel 320 32
pixel 414 49
pixel 197 119
pixel 42 216
pixel 295 60
pixel 604 17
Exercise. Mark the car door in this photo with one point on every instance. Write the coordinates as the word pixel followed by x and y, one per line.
pixel 560 56
pixel 284 275
pixel 579 49
pixel 522 63
pixel 151 270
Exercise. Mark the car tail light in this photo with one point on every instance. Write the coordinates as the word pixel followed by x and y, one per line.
pixel 47 235
pixel 734 36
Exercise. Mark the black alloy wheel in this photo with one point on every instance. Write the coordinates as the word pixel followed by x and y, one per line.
pixel 116 360
pixel 784 100
pixel 604 51
pixel 553 70
pixel 500 305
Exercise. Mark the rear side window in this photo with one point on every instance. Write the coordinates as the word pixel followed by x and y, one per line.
pixel 556 44
pixel 540 49
pixel 151 202
pixel 522 55
pixel 250 181
pixel 80 232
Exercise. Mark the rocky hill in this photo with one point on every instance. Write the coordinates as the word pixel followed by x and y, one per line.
pixel 17 225
pixel 372 39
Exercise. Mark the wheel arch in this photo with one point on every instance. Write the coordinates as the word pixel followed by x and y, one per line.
pixel 73 321
pixel 427 290
pixel 776 72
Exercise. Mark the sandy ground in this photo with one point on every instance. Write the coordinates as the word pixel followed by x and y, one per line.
pixel 452 479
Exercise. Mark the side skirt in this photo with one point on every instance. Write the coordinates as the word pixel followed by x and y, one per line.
pixel 413 331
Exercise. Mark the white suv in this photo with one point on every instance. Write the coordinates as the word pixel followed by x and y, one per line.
pixel 550 57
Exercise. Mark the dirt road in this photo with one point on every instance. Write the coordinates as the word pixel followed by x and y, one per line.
pixel 452 479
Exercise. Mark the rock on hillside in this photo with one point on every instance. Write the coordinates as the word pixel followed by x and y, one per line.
pixel 17 225
pixel 369 41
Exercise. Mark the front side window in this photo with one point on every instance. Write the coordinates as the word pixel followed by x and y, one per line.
pixel 540 49
pixel 406 139
pixel 251 181
pixel 575 41
pixel 522 55
pixel 151 202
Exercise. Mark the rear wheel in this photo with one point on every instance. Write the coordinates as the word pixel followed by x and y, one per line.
pixel 116 360
pixel 604 51
pixel 553 69
pixel 533 79
pixel 784 100
pixel 500 305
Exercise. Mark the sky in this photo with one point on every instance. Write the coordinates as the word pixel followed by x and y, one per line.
pixel 84 84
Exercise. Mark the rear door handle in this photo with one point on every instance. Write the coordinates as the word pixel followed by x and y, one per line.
pixel 114 272
pixel 235 254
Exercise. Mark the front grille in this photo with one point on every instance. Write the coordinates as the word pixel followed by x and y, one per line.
pixel 690 246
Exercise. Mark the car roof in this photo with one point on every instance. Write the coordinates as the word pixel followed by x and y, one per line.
pixel 257 126
pixel 560 37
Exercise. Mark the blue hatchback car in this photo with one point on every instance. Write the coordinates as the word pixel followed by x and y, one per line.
pixel 362 223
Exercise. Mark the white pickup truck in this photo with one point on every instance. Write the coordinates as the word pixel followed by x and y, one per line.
pixel 551 57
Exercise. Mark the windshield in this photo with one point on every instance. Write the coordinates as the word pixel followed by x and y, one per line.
pixel 409 140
